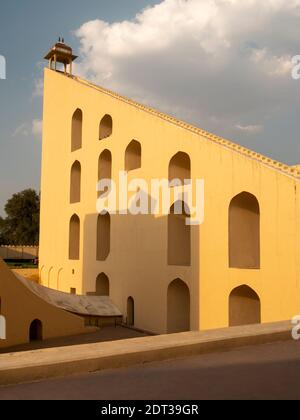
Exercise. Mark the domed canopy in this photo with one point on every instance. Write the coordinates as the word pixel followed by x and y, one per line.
pixel 61 53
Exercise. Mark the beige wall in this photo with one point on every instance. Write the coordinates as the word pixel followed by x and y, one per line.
pixel 20 307
pixel 137 263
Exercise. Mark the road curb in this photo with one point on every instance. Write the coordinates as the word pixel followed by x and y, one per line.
pixel 80 359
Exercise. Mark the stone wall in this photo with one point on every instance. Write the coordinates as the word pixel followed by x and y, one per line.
pixel 19 252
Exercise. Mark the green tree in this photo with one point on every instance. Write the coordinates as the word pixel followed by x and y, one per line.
pixel 21 226
pixel 2 236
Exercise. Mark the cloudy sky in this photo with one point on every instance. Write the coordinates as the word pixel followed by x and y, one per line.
pixel 223 65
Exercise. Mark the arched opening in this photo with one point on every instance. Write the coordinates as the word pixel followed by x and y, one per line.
pixel 102 285
pixel 2 328
pixel 76 130
pixel 133 156
pixel 178 307
pixel 75 184
pixel 103 236
pixel 74 238
pixel 104 167
pixel 244 232
pixel 244 307
pixel 41 276
pixel 179 236
pixel 2 323
pixel 180 167
pixel 50 275
pixel 36 330
pixel 59 278
pixel 106 127
pixel 130 311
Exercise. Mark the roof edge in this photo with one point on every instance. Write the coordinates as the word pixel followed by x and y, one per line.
pixel 291 171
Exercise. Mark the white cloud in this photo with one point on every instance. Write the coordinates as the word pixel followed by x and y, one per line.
pixel 37 127
pixel 26 129
pixel 212 62
pixel 21 130
pixel 249 129
pixel 38 87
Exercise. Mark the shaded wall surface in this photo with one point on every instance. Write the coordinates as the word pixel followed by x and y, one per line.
pixel 20 307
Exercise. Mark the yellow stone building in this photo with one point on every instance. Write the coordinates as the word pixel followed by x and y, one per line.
pixel 239 266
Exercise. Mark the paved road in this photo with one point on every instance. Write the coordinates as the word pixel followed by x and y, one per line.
pixel 269 371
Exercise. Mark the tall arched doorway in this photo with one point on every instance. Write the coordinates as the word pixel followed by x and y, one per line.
pixel 244 307
pixel 178 306
pixel 130 311
pixel 179 235
pixel 36 330
pixel 244 232
pixel 102 285
pixel 103 236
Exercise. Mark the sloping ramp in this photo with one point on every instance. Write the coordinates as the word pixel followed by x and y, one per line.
pixel 21 307
pixel 98 306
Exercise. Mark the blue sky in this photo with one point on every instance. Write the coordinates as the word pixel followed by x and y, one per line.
pixel 223 66
pixel 27 30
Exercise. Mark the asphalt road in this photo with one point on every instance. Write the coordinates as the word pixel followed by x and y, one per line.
pixel 270 371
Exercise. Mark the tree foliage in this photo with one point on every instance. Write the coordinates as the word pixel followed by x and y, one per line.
pixel 21 226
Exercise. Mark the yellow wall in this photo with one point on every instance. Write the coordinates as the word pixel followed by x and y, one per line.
pixel 137 264
pixel 20 307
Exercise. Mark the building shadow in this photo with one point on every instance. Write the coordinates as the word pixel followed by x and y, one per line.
pixel 152 266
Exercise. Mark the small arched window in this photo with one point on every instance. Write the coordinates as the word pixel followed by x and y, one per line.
pixel 103 236
pixel 104 167
pixel 133 156
pixel 106 127
pixel 76 130
pixel 179 235
pixel 180 167
pixel 74 238
pixel 75 184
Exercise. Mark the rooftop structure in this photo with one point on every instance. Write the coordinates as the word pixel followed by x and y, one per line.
pixel 61 53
